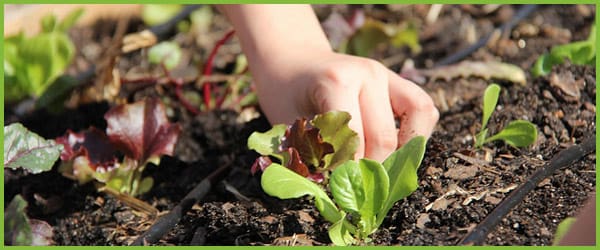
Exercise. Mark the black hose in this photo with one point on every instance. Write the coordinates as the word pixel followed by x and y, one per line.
pixel 521 13
pixel 168 221
pixel 563 159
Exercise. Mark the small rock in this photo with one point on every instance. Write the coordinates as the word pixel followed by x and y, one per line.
pixel 589 106
pixel 492 200
pixel 423 218
pixel 461 172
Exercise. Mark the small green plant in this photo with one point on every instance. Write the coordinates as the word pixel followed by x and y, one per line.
pixel 27 150
pixel 32 64
pixel 519 133
pixel 363 191
pixel 19 230
pixel 579 53
pixel 140 131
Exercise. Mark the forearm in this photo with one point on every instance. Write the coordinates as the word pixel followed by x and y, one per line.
pixel 270 34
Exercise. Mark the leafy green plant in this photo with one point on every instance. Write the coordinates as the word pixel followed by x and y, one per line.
pixel 19 230
pixel 140 131
pixel 167 53
pixel 519 133
pixel 32 64
pixel 310 148
pixel 27 150
pixel 363 192
pixel 579 53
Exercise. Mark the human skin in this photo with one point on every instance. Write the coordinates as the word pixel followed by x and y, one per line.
pixel 297 74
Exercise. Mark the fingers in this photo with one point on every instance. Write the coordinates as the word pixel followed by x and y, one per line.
pixel 377 115
pixel 334 91
pixel 418 115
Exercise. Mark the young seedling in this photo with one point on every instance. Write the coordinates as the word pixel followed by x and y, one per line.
pixel 140 131
pixel 579 53
pixel 310 148
pixel 363 191
pixel 27 150
pixel 519 133
pixel 20 230
pixel 31 64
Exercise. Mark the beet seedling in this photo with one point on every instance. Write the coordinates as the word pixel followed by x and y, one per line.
pixel 519 133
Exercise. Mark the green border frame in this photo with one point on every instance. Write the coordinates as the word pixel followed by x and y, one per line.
pixel 302 1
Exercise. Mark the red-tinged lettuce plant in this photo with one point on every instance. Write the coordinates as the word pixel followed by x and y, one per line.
pixel 140 131
pixel 310 148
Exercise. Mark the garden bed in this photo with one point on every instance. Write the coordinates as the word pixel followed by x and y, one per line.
pixel 458 184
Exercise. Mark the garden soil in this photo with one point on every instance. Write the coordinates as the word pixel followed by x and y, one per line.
pixel 458 184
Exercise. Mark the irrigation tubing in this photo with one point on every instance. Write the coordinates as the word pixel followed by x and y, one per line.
pixel 168 221
pixel 563 159
pixel 521 13
pixel 161 32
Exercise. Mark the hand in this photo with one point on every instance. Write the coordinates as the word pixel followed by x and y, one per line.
pixel 312 82
pixel 297 74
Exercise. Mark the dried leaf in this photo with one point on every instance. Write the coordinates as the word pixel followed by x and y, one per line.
pixel 141 130
pixel 461 172
pixel 23 148
pixel 566 82
pixel 487 70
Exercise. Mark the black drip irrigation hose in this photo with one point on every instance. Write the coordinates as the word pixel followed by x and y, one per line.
pixel 168 221
pixel 521 13
pixel 563 159
pixel 161 32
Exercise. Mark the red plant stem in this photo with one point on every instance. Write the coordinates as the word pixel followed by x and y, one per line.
pixel 179 91
pixel 221 98
pixel 208 67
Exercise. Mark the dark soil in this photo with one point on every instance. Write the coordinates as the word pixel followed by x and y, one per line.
pixel 459 185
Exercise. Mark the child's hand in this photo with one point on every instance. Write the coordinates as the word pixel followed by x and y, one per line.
pixel 311 83
pixel 297 74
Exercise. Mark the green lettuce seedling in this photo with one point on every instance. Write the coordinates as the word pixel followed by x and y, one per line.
pixel 579 53
pixel 363 191
pixel 31 64
pixel 519 133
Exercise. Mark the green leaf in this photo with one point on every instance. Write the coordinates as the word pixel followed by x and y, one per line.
pixel 409 36
pixel 202 18
pixel 168 53
pixel 70 20
pixel 48 23
pixel 579 53
pixel 376 184
pixel 42 59
pixel 346 187
pixel 562 229
pixel 367 37
pixel 340 234
pixel 23 148
pixel 267 143
pixel 155 14
pixel 519 133
pixel 490 99
pixel 283 183
pixel 334 129
pixel 17 230
pixel 401 167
